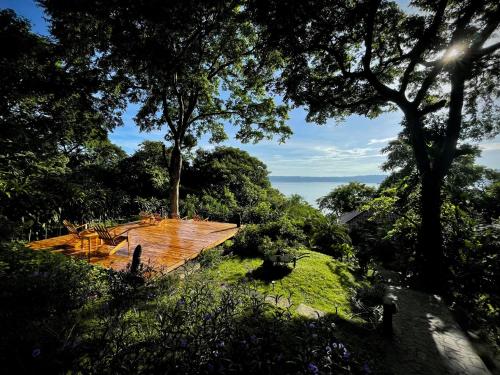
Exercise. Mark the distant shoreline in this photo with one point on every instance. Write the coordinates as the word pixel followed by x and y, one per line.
pixel 373 179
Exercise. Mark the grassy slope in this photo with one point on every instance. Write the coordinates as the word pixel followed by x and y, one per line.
pixel 318 281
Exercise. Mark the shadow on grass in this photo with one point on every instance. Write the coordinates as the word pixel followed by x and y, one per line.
pixel 343 272
pixel 269 273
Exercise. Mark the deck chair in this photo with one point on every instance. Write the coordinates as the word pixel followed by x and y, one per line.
pixel 114 242
pixel 74 229
pixel 197 217
pixel 159 220
pixel 146 217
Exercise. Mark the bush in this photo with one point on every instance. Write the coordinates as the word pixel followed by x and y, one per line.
pixel 61 315
pixel 476 273
pixel 201 329
pixel 367 302
pixel 211 206
pixel 330 238
pixel 252 239
pixel 41 295
pixel 151 204
pixel 212 257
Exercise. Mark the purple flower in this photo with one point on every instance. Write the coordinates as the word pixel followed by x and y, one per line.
pixel 220 344
pixel 313 369
pixel 207 316
pixel 184 343
pixel 35 353
pixel 346 355
pixel 366 369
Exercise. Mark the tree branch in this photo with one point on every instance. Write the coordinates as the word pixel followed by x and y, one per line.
pixel 454 123
pixel 482 37
pixel 461 24
pixel 340 61
pixel 488 50
pixel 180 99
pixel 421 45
pixel 432 107
pixel 370 22
pixel 427 83
pixel 385 91
pixel 213 73
pixel 166 114
pixel 192 101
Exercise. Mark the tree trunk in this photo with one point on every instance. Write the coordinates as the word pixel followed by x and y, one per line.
pixel 430 255
pixel 175 178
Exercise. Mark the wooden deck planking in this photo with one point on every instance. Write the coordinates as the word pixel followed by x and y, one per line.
pixel 168 245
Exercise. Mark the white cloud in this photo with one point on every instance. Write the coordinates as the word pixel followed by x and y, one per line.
pixel 494 146
pixel 325 167
pixel 381 140
pixel 331 152
pixel 304 158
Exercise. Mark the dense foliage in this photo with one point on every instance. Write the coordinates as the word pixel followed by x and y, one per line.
pixel 190 65
pixel 50 120
pixel 70 316
pixel 193 67
pixel 346 198
pixel 438 64
pixel 387 234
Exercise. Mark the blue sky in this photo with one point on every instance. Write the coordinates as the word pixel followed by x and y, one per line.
pixel 345 149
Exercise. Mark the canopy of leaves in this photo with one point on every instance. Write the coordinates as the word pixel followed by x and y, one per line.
pixel 467 183
pixel 49 116
pixel 227 167
pixel 346 198
pixel 189 64
pixel 370 56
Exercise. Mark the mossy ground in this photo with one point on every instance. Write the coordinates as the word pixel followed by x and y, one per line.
pixel 317 281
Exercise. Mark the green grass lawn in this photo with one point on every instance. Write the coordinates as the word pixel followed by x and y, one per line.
pixel 318 281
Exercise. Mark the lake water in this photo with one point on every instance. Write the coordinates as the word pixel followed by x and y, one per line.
pixel 310 191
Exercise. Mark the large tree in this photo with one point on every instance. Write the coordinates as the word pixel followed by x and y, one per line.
pixel 346 198
pixel 190 64
pixel 50 116
pixel 438 64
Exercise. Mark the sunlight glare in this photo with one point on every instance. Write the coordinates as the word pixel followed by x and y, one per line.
pixel 453 53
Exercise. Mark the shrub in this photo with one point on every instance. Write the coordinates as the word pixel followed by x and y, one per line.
pixel 214 206
pixel 201 329
pixel 151 204
pixel 48 283
pixel 41 295
pixel 330 238
pixel 476 273
pixel 212 257
pixel 367 302
pixel 251 240
pixel 61 315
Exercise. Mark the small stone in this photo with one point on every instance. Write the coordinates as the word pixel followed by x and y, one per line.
pixel 309 312
pixel 280 302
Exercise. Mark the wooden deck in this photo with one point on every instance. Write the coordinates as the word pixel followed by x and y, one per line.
pixel 168 245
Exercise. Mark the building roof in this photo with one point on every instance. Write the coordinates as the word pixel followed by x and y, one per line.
pixel 348 216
